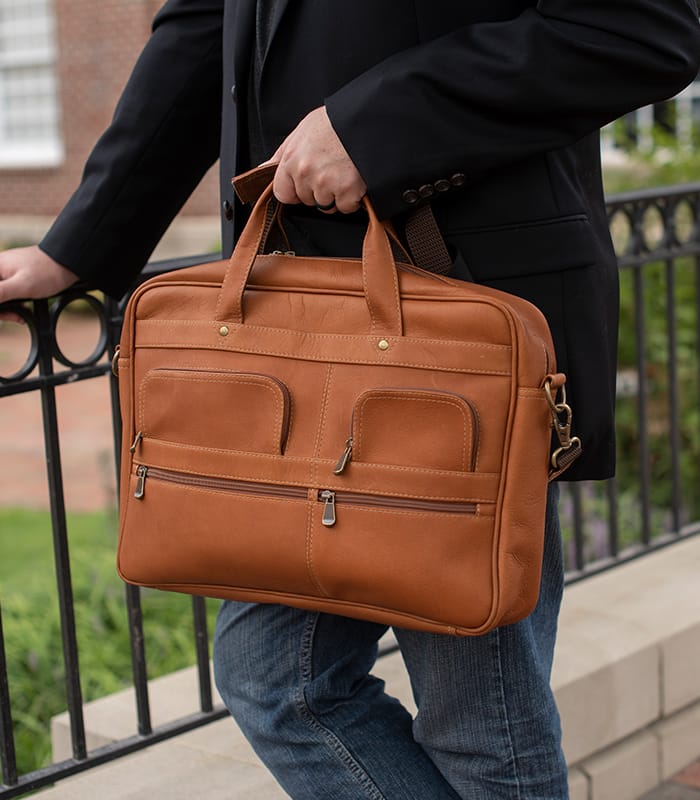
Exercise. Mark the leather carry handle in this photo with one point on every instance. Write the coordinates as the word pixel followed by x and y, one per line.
pixel 379 277
pixel 428 248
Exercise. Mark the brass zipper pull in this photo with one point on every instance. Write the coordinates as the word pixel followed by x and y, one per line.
pixel 328 498
pixel 343 460
pixel 136 442
pixel 141 473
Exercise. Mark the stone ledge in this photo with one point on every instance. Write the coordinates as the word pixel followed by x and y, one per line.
pixel 627 656
pixel 627 652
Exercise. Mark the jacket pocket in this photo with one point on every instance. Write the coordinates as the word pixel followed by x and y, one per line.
pixel 548 245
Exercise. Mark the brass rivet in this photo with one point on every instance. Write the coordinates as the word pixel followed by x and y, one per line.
pixel 383 344
pixel 223 330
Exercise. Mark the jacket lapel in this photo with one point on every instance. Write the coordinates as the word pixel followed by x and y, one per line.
pixel 279 10
pixel 242 38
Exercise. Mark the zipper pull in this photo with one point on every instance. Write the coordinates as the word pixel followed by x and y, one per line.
pixel 136 442
pixel 343 460
pixel 328 498
pixel 283 253
pixel 141 473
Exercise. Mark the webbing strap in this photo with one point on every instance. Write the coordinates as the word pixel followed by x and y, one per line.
pixel 425 242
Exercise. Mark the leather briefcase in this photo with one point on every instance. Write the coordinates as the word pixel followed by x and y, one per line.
pixel 358 437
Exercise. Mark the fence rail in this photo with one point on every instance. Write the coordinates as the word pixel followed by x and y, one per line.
pixel 652 503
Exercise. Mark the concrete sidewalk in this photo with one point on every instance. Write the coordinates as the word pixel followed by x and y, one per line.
pixel 684 786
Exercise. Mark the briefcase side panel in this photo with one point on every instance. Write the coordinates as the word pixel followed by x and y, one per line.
pixel 523 508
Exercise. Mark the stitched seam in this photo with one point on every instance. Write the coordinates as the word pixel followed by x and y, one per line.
pixel 367 295
pixel 312 460
pixel 318 356
pixel 336 745
pixel 325 336
pixel 322 421
pixel 324 357
pixel 395 281
pixel 314 482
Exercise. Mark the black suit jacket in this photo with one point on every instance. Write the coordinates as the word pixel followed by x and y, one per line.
pixel 509 94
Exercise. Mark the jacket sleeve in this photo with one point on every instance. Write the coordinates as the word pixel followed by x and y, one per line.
pixel 163 137
pixel 492 93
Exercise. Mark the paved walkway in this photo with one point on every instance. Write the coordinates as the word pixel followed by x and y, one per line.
pixel 684 786
pixel 87 458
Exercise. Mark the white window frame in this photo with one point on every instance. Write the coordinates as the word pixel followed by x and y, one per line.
pixel 45 152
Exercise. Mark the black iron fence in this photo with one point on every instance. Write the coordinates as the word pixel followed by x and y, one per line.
pixel 654 500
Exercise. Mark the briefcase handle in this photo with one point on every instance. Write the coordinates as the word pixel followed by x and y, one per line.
pixel 380 279
pixel 428 248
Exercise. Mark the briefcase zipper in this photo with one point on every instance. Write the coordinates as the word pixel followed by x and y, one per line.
pixel 221 484
pixel 330 499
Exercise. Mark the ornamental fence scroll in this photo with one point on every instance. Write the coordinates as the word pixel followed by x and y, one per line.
pixel 653 501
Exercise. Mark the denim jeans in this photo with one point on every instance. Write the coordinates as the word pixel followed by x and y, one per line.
pixel 299 685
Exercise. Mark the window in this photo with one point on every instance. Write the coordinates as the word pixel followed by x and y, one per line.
pixel 29 129
pixel 678 117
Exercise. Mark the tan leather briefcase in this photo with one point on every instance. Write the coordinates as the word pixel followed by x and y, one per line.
pixel 351 436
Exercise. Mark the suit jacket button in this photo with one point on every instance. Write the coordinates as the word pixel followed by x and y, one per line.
pixel 442 185
pixel 234 93
pixel 426 190
pixel 410 196
pixel 458 179
pixel 228 210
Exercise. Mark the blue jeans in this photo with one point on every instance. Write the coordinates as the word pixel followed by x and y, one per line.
pixel 299 685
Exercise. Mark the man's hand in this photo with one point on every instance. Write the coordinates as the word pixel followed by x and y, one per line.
pixel 28 273
pixel 315 169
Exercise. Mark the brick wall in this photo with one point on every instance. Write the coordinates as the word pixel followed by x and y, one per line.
pixel 98 43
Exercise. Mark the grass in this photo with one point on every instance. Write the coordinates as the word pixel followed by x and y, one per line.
pixel 32 628
pixel 27 550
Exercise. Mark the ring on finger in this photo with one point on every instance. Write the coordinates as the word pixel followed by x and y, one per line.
pixel 324 206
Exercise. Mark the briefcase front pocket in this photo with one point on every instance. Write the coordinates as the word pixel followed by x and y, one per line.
pixel 241 411
pixel 420 428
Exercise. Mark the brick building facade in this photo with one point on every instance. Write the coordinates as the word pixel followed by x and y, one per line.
pixel 73 56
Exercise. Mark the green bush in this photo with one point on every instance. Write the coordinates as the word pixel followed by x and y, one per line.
pixel 667 164
pixel 32 629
